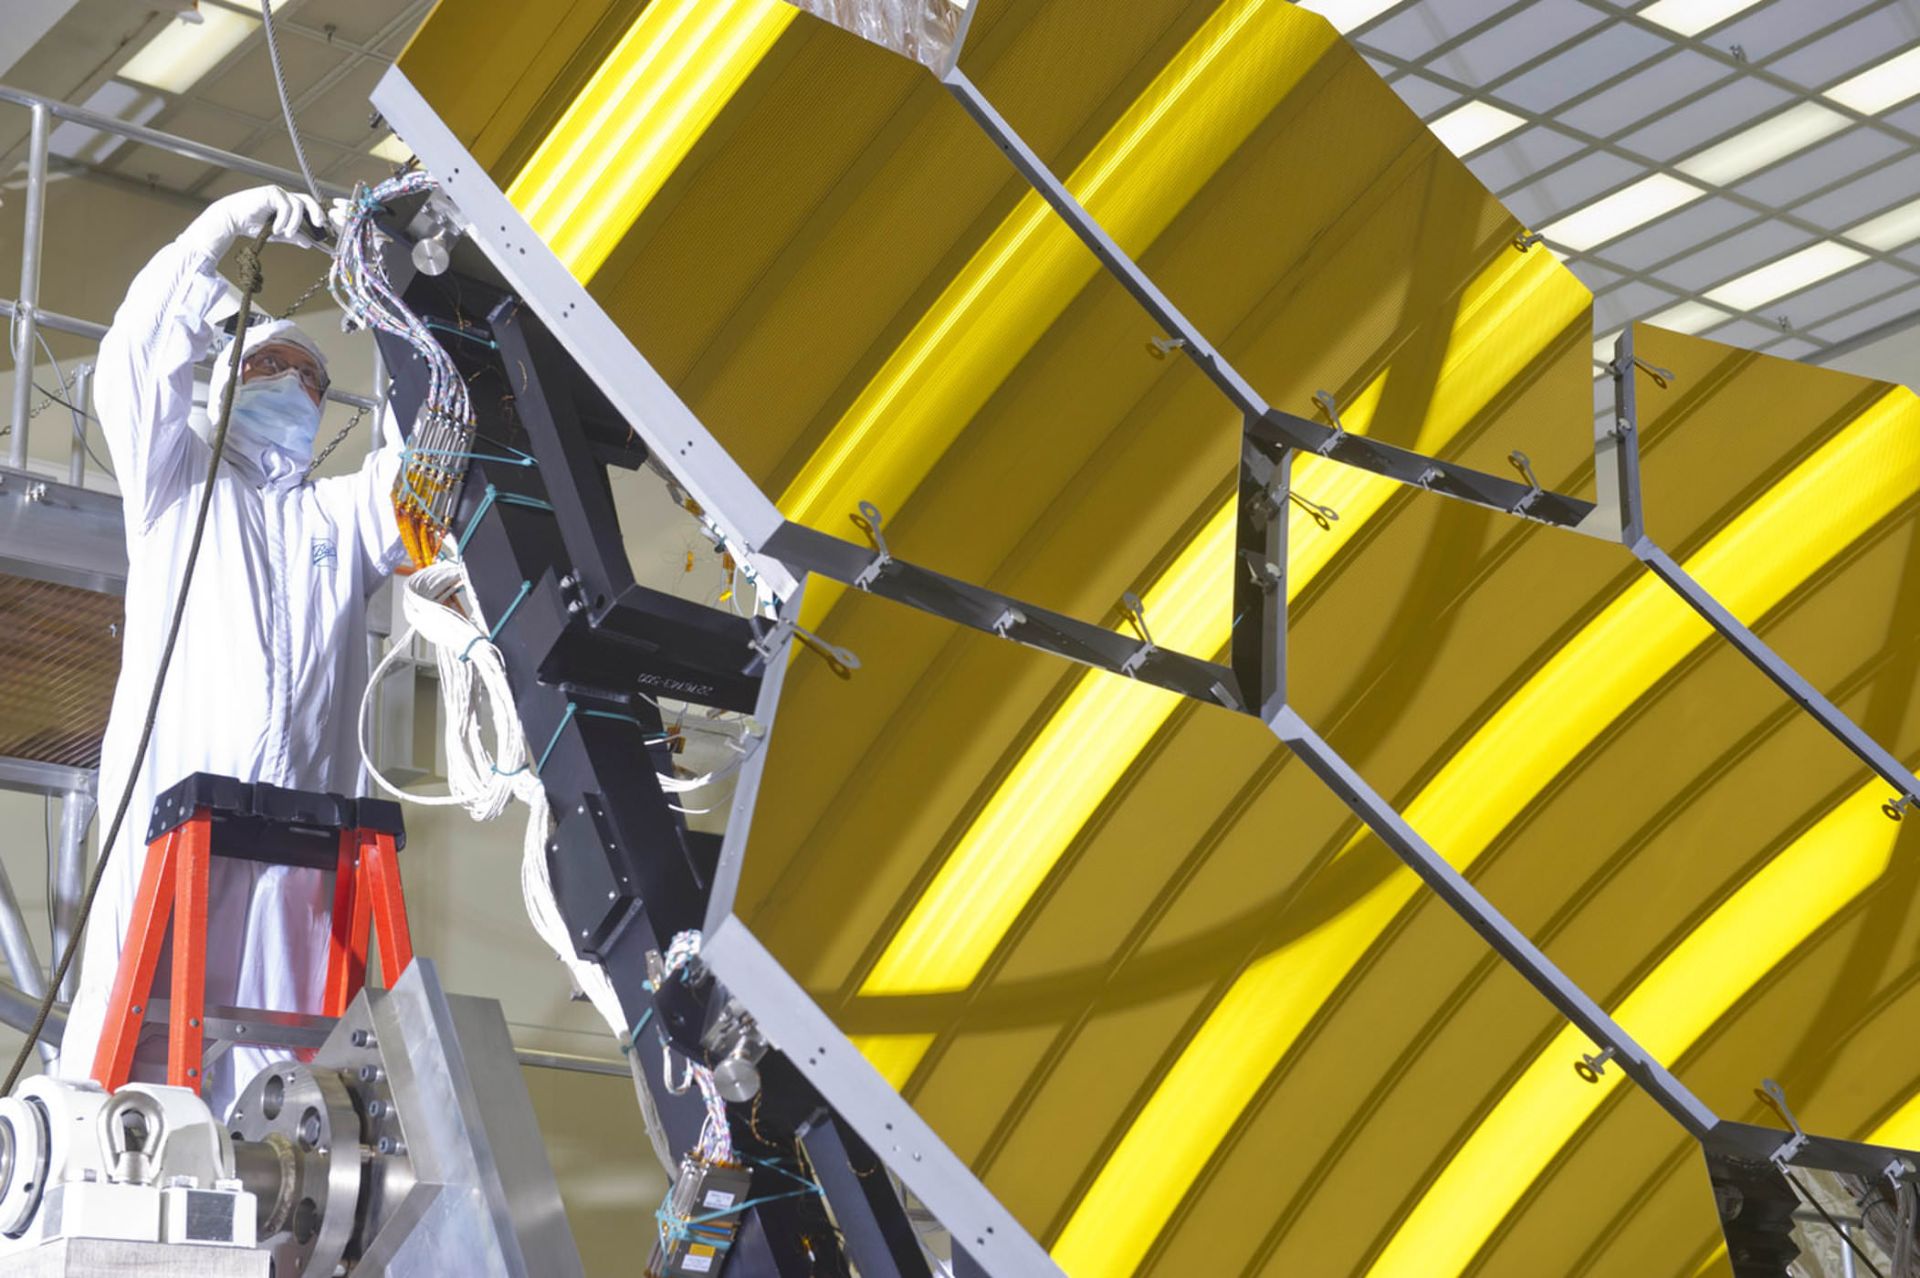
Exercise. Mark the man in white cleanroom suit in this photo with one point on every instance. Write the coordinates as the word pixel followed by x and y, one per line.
pixel 266 679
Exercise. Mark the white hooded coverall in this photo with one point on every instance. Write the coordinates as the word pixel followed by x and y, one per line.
pixel 266 679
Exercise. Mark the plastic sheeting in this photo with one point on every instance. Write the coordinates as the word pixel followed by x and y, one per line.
pixel 928 31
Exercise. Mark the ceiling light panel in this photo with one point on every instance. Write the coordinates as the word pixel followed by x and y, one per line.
pixel 1765 143
pixel 1890 230
pixel 1689 317
pixel 1722 259
pixel 1856 150
pixel 183 52
pixel 1787 275
pixel 1680 233
pixel 1695 124
pixel 1884 85
pixel 1691 17
pixel 1612 216
pixel 1473 125
pixel 1846 290
pixel 1882 188
pixel 1570 186
pixel 1847 47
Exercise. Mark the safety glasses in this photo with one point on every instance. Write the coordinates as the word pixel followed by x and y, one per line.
pixel 271 361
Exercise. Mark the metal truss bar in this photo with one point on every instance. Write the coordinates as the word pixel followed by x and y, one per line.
pixel 873 1222
pixel 1414 469
pixel 1616 450
pixel 164 141
pixel 54 322
pixel 68 875
pixel 1417 470
pixel 802 549
pixel 1260 575
pixel 797 1026
pixel 32 225
pixel 1494 928
pixel 1789 680
pixel 35 777
pixel 1111 255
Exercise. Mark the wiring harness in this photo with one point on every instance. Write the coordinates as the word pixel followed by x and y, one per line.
pixel 429 482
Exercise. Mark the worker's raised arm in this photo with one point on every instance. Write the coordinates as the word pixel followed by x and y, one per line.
pixel 143 386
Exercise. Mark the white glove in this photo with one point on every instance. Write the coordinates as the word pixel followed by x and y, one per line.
pixel 337 214
pixel 294 219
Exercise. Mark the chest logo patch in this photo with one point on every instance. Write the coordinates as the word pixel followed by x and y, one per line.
pixel 324 555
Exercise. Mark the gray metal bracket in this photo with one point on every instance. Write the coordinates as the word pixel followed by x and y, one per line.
pixel 1259 643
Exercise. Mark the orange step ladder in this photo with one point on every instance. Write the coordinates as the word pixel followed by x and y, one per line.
pixel 206 816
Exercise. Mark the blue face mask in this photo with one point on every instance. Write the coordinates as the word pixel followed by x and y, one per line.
pixel 276 412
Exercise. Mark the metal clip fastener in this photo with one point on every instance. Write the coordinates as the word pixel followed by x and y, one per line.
pixel 1009 618
pixel 1774 1098
pixel 868 522
pixel 1525 467
pixel 1325 516
pixel 1332 409
pixel 1136 613
pixel 1161 347
pixel 840 660
pixel 1590 1068
pixel 770 644
pixel 1662 377
pixel 1265 573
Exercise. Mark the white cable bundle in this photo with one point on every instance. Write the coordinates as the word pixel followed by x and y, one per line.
pixel 480 780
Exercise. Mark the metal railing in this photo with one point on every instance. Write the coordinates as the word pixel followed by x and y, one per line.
pixel 25 318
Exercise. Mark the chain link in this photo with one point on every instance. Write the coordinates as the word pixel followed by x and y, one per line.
pixel 336 441
pixel 33 411
pixel 305 297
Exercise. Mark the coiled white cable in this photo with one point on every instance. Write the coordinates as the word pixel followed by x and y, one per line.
pixel 439 607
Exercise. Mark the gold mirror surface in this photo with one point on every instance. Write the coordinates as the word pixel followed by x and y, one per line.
pixel 1135 966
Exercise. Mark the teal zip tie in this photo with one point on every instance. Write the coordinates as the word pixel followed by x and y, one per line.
pixel 787 1172
pixel 626 718
pixel 565 719
pixel 526 588
pixel 750 1203
pixel 487 342
pixel 638 1026
pixel 492 495
pixel 521 460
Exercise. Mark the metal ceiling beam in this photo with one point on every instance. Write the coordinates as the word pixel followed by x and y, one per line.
pixel 1424 67
pixel 156 139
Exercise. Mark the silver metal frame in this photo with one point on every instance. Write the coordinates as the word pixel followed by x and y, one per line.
pixel 789 1017
pixel 24 314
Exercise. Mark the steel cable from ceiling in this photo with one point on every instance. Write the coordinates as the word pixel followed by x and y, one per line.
pixel 286 107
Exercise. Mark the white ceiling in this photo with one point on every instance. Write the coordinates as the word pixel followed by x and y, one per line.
pixel 1606 97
